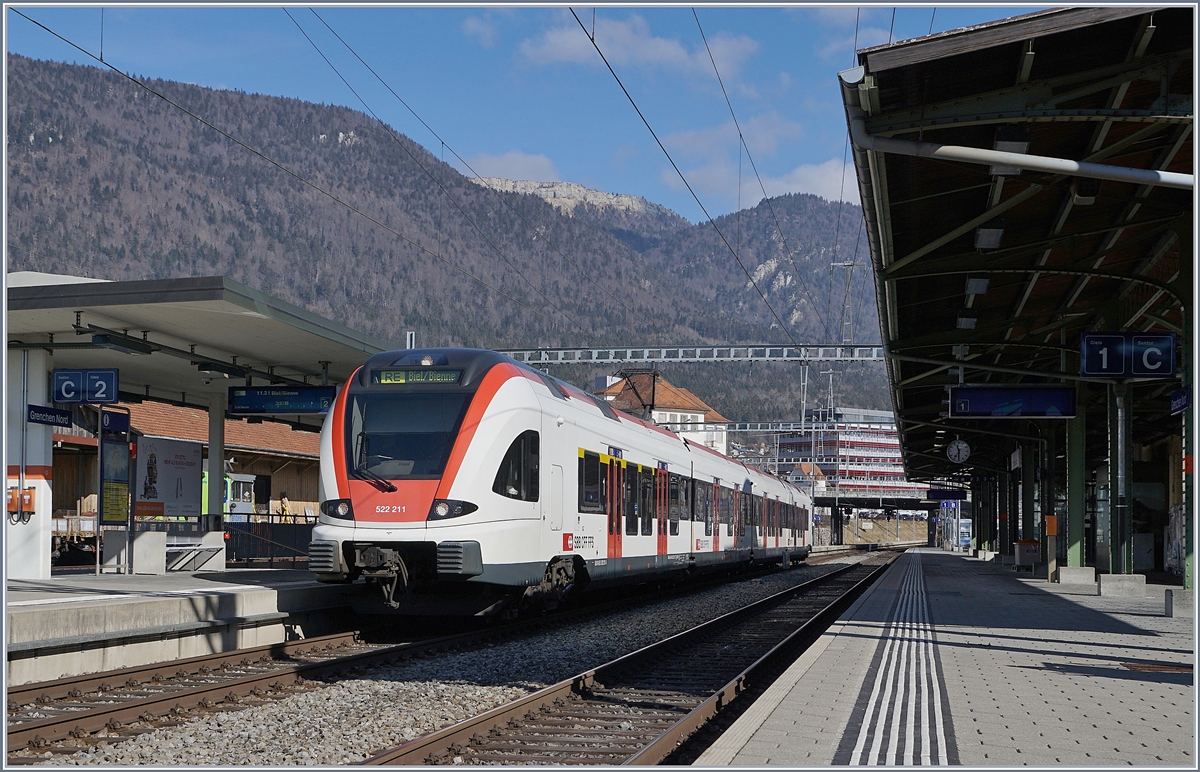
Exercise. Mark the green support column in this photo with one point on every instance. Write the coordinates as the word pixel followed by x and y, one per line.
pixel 1028 484
pixel 1077 477
pixel 1005 514
pixel 1183 229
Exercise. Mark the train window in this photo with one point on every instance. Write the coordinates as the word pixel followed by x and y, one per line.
pixel 685 498
pixel 517 477
pixel 591 483
pixel 407 435
pixel 646 501
pixel 674 506
pixel 631 503
pixel 726 500
pixel 704 505
pixel 744 508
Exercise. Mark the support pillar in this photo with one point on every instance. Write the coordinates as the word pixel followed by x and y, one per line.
pixel 1183 230
pixel 1121 544
pixel 1028 488
pixel 1004 516
pixel 1077 478
pixel 216 457
pixel 30 457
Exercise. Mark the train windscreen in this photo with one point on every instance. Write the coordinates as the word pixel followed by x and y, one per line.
pixel 402 436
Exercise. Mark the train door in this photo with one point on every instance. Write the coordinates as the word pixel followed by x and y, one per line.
pixel 616 505
pixel 717 500
pixel 661 484
pixel 556 497
pixel 735 518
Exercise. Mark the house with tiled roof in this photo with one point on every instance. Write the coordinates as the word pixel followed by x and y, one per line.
pixel 283 460
pixel 649 395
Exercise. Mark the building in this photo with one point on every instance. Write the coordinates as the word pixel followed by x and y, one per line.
pixel 647 394
pixel 856 451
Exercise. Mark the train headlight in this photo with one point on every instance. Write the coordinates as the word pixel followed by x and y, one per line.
pixel 444 509
pixel 338 508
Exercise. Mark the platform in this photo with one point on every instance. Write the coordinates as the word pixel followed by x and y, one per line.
pixel 948 659
pixel 75 624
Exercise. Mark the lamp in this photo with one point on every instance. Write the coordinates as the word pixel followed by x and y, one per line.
pixel 219 369
pixel 988 235
pixel 966 320
pixel 977 286
pixel 123 343
pixel 1010 138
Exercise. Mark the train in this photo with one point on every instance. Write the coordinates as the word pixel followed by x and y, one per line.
pixel 460 481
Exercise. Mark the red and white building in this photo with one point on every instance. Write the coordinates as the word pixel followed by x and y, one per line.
pixel 857 452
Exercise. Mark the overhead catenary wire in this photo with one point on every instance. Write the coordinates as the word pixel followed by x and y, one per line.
pixel 742 144
pixel 498 195
pixel 286 170
pixel 686 184
pixel 391 133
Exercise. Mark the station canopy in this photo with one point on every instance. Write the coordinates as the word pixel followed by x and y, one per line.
pixel 999 268
pixel 182 340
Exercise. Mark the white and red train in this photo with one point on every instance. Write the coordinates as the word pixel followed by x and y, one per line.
pixel 461 481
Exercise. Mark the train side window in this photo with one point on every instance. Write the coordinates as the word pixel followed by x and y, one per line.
pixel 685 498
pixel 674 486
pixel 631 502
pixel 726 504
pixel 744 510
pixel 591 483
pixel 704 504
pixel 646 503
pixel 517 477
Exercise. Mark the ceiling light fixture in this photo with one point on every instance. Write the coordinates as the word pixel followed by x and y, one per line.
pixel 1012 138
pixel 220 369
pixel 988 235
pixel 123 343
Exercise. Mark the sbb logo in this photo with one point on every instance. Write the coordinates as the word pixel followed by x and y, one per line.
pixel 568 542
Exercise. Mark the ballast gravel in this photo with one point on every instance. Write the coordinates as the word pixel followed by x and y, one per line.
pixel 355 718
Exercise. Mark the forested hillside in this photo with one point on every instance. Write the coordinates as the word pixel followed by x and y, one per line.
pixel 109 181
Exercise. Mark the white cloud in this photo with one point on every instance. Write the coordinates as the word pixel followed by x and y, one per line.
pixel 763 134
pixel 824 180
pixel 515 165
pixel 630 43
pixel 481 28
pixel 843 48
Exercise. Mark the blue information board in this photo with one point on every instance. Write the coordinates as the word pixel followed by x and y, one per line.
pixel 1012 401
pixel 1127 355
pixel 251 400
pixel 92 387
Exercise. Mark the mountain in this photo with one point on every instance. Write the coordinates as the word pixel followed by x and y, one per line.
pixel 638 223
pixel 361 224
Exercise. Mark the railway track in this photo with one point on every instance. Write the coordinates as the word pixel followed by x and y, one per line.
pixel 123 703
pixel 639 708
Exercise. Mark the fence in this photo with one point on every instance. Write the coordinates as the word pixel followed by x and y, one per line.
pixel 270 544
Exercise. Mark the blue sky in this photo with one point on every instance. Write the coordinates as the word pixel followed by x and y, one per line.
pixel 521 93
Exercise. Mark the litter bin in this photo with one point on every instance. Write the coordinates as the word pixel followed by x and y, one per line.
pixel 1027 553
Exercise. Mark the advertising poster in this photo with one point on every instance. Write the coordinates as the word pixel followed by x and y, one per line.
pixel 168 478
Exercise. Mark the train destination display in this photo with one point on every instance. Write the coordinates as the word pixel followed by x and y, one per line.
pixel 250 400
pixel 393 377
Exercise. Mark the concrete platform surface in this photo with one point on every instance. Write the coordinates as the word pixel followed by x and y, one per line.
pixel 83 623
pixel 951 660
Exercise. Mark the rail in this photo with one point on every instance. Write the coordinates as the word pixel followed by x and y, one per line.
pixel 638 708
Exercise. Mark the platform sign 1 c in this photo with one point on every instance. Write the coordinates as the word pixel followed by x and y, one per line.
pixel 92 387
pixel 1127 355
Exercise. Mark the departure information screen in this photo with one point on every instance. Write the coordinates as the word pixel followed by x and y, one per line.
pixel 393 377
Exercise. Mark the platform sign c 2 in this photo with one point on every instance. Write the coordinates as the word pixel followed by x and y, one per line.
pixel 90 387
